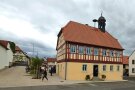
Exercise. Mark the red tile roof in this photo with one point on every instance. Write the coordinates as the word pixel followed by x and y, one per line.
pixel 4 43
pixel 51 60
pixel 17 48
pixel 125 59
pixel 80 33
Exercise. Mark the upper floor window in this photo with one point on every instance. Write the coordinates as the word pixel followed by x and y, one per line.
pixel 81 50
pixel 133 61
pixel 95 51
pixel 118 54
pixel 111 53
pixel 73 49
pixel 88 50
pixel 104 52
pixel 111 67
pixel 84 67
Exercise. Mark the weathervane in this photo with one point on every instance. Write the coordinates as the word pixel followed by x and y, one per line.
pixel 101 12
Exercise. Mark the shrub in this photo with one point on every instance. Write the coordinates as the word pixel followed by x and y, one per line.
pixel 103 77
pixel 87 77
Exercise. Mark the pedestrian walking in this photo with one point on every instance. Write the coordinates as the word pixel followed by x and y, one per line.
pixel 51 71
pixel 44 75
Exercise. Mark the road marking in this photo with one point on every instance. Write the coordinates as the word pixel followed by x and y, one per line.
pixel 92 84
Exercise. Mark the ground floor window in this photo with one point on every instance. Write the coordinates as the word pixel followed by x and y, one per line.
pixel 84 67
pixel 133 70
pixel 118 68
pixel 111 67
pixel 104 67
pixel 61 67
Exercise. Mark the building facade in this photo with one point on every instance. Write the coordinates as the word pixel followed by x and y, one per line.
pixel 19 55
pixel 84 50
pixel 132 64
pixel 51 62
pixel 6 54
pixel 125 65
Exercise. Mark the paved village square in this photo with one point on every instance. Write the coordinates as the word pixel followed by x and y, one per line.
pixel 67 45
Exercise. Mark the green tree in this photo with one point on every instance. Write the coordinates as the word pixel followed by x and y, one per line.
pixel 12 46
pixel 36 63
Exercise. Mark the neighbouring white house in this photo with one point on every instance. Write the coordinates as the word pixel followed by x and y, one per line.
pixel 6 54
pixel 132 64
pixel 19 55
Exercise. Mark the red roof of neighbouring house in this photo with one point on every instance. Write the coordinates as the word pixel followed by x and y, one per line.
pixel 17 48
pixel 4 43
pixel 125 59
pixel 51 60
pixel 80 33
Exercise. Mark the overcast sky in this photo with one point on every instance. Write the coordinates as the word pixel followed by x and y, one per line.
pixel 36 23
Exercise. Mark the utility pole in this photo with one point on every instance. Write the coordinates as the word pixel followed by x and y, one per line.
pixel 33 50
pixel 37 53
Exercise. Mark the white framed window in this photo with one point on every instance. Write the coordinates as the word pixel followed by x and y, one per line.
pixel 81 50
pixel 96 51
pixel 111 67
pixel 104 52
pixel 133 70
pixel 118 53
pixel 118 68
pixel 73 49
pixel 104 67
pixel 111 53
pixel 133 61
pixel 84 67
pixel 88 50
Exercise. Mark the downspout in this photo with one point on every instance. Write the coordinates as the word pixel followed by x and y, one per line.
pixel 66 62
pixel 65 69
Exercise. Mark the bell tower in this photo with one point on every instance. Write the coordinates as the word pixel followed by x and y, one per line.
pixel 101 23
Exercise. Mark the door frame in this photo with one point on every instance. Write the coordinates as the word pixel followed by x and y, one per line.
pixel 95 73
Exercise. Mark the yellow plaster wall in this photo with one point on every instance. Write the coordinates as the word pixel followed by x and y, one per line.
pixel 111 75
pixel 61 70
pixel 74 71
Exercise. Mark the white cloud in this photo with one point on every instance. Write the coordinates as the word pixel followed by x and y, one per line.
pixel 41 20
pixel 24 29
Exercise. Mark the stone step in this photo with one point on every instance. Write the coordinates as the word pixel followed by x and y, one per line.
pixel 96 79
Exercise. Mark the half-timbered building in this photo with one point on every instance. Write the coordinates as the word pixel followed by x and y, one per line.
pixel 85 50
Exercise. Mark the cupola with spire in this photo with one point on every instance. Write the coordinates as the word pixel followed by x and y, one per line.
pixel 101 23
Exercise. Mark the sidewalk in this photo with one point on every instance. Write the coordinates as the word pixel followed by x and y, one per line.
pixel 16 77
